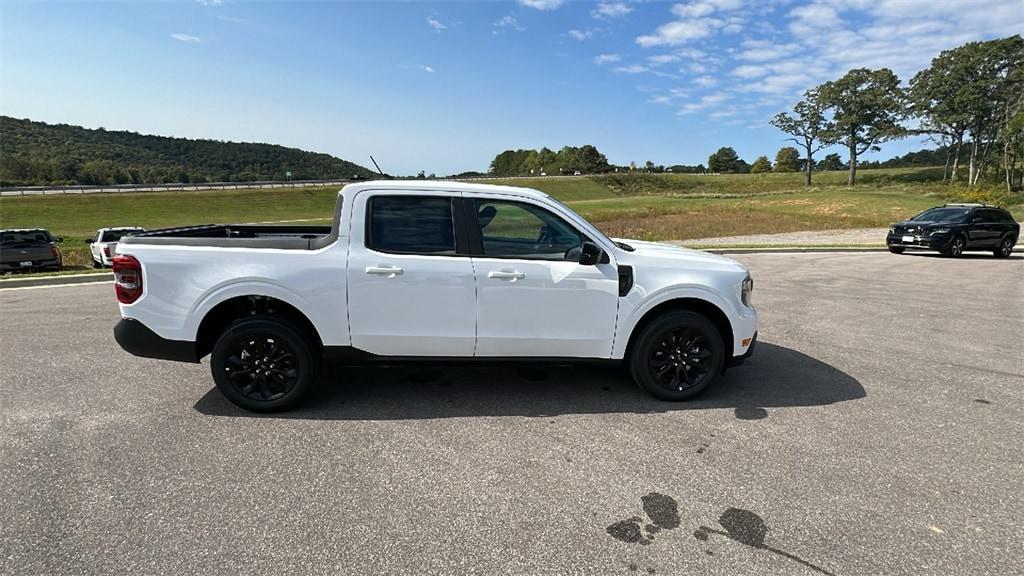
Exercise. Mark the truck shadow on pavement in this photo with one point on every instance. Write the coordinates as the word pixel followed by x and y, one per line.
pixel 775 377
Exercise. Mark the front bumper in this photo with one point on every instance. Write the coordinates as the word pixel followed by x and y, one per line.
pixel 136 338
pixel 938 242
pixel 739 360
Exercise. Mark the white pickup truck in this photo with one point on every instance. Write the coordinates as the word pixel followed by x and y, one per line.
pixel 438 271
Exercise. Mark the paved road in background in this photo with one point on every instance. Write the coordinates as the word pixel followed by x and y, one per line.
pixel 852 237
pixel 879 430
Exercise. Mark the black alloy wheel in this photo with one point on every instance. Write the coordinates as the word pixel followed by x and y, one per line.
pixel 677 355
pixel 680 358
pixel 263 364
pixel 262 368
pixel 896 249
pixel 956 247
pixel 1005 248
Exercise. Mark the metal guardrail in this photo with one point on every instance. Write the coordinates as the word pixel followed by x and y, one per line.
pixel 133 188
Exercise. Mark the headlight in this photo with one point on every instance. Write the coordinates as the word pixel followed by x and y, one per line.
pixel 747 292
pixel 935 231
pixel 892 229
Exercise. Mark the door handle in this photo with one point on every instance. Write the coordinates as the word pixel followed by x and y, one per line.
pixel 389 271
pixel 506 274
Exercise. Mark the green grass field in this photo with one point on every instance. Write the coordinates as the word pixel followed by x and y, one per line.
pixel 650 207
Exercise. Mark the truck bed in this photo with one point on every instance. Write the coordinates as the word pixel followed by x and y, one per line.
pixel 238 236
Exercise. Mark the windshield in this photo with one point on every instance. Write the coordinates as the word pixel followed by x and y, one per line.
pixel 115 235
pixel 581 219
pixel 942 215
pixel 25 237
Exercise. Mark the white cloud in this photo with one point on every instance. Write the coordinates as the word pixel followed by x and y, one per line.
pixel 186 38
pixel 602 59
pixel 679 32
pixel 749 71
pixel 611 10
pixel 426 68
pixel 632 69
pixel 765 50
pixel 813 41
pixel 696 20
pixel 580 35
pixel 210 2
pixel 232 19
pixel 708 101
pixel 436 24
pixel 661 59
pixel 813 19
pixel 542 4
pixel 507 22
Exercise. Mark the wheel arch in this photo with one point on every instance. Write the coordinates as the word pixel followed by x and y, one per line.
pixel 218 318
pixel 701 306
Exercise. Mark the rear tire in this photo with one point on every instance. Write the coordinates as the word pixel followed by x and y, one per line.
pixel 677 355
pixel 96 264
pixel 264 364
pixel 1005 248
pixel 896 249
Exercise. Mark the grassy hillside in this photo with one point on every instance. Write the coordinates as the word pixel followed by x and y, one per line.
pixel 653 207
pixel 36 153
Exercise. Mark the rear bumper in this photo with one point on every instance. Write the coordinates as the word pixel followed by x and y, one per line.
pixel 136 338
pixel 51 264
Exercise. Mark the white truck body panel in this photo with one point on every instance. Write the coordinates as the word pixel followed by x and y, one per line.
pixel 439 306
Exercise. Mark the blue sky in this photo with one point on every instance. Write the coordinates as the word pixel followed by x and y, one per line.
pixel 443 87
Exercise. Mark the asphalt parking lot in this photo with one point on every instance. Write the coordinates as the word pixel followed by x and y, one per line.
pixel 878 430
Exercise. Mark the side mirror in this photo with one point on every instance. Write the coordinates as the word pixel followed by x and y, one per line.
pixel 59 238
pixel 590 254
pixel 87 241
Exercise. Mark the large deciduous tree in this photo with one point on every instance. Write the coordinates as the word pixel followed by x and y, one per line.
pixel 808 127
pixel 974 91
pixel 867 108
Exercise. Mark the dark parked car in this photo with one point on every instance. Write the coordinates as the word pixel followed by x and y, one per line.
pixel 29 250
pixel 953 228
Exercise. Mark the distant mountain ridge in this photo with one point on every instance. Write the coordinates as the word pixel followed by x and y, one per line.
pixel 37 153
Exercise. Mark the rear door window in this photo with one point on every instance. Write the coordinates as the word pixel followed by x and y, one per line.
pixel 411 225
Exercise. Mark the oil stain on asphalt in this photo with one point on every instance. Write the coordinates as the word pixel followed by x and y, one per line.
pixel 661 510
pixel 740 525
pixel 748 528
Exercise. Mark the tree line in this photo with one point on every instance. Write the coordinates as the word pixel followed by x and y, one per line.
pixel 970 100
pixel 788 159
pixel 37 153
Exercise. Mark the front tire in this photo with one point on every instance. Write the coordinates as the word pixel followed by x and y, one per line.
pixel 955 248
pixel 677 356
pixel 264 364
pixel 896 249
pixel 1005 248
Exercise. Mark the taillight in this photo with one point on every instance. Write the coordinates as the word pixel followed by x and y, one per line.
pixel 106 250
pixel 127 278
pixel 55 251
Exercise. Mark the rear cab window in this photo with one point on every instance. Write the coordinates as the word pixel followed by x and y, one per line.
pixel 25 237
